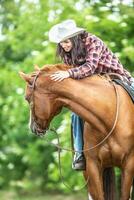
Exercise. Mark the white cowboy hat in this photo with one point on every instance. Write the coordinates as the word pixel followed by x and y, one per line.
pixel 64 30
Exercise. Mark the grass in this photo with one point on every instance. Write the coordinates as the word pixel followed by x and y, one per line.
pixel 10 195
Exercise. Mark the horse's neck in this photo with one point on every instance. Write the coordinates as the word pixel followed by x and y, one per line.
pixel 72 89
pixel 90 100
pixel 85 95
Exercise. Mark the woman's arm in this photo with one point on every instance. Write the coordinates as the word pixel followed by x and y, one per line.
pixel 94 51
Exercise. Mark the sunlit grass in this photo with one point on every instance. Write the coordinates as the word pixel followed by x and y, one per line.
pixel 6 195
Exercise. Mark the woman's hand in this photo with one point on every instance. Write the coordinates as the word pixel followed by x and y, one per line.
pixel 60 75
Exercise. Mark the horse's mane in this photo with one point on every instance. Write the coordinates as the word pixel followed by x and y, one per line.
pixel 54 67
pixel 50 68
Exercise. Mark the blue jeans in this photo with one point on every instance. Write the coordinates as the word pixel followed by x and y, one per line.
pixel 77 127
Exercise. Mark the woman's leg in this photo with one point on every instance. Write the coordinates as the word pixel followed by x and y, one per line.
pixel 77 129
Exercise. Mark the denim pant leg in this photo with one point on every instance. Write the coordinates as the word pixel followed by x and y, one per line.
pixel 77 127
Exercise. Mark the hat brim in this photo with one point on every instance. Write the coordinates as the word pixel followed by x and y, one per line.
pixel 72 34
pixel 53 36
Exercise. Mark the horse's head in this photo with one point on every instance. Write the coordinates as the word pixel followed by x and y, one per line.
pixel 44 104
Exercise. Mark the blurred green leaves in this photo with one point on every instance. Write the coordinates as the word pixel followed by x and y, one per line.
pixel 27 162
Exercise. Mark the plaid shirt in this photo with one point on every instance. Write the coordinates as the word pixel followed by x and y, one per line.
pixel 99 59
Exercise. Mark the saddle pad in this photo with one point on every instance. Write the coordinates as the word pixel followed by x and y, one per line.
pixel 127 87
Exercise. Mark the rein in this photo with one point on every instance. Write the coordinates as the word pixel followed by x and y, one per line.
pixel 59 147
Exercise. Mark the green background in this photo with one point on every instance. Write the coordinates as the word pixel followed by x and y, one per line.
pixel 28 164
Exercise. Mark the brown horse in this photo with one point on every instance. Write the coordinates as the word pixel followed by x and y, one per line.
pixel 93 98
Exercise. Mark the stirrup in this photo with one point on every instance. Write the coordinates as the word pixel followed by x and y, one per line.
pixel 79 162
pixel 80 166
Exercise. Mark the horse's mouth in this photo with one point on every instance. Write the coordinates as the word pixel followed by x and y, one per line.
pixel 41 132
pixel 37 130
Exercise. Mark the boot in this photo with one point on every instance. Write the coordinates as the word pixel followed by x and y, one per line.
pixel 79 162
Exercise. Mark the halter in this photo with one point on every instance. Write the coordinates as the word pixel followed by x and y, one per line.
pixel 32 87
pixel 35 79
pixel 33 84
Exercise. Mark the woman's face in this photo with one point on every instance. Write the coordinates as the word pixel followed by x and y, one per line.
pixel 66 45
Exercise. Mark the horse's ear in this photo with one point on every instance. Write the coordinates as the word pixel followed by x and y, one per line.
pixel 36 67
pixel 25 77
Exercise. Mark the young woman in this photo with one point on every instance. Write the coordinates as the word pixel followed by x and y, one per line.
pixel 89 55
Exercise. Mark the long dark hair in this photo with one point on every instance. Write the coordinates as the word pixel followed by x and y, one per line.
pixel 77 54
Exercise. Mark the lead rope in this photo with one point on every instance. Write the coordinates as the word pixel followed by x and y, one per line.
pixel 59 147
pixel 60 166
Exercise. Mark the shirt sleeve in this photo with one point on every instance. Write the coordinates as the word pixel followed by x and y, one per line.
pixel 93 54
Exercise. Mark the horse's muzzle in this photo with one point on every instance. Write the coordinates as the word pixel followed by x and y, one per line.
pixel 37 130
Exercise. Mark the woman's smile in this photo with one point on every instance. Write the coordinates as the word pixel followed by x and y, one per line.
pixel 66 45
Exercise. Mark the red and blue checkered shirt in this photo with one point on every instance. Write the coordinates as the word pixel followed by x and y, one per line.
pixel 99 59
